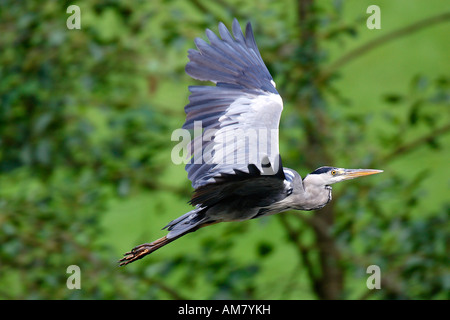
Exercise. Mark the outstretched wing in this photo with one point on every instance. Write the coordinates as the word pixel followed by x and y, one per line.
pixel 238 117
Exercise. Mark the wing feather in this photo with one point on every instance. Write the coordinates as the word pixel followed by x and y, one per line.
pixel 239 115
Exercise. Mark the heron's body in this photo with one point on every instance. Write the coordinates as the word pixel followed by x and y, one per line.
pixel 243 177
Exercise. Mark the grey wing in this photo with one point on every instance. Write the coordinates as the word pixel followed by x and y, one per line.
pixel 239 116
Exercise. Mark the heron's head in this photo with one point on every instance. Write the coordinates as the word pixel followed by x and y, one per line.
pixel 325 176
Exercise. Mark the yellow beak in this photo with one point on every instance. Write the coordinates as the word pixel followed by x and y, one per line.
pixel 355 173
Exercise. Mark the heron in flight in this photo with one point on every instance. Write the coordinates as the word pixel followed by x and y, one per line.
pixel 243 100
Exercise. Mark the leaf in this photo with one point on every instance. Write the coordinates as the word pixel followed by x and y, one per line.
pixel 420 83
pixel 414 112
pixel 42 122
pixel 393 98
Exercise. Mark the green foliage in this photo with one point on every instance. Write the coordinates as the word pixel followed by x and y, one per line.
pixel 85 123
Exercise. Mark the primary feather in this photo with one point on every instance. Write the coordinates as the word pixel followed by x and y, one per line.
pixel 239 115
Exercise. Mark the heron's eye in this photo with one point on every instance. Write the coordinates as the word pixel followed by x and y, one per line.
pixel 333 172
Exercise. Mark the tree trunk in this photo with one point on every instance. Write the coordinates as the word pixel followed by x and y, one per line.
pixel 329 283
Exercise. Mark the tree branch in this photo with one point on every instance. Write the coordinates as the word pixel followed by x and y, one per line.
pixel 175 295
pixel 411 146
pixel 208 11
pixel 294 237
pixel 358 52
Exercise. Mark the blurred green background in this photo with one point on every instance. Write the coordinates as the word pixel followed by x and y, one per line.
pixel 86 118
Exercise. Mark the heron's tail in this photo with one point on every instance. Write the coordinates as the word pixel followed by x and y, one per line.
pixel 189 222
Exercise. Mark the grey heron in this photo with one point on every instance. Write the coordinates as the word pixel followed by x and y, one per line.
pixel 243 99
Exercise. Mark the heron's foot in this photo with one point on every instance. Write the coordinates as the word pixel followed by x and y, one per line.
pixel 136 253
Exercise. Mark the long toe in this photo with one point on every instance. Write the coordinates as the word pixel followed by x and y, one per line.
pixel 135 254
